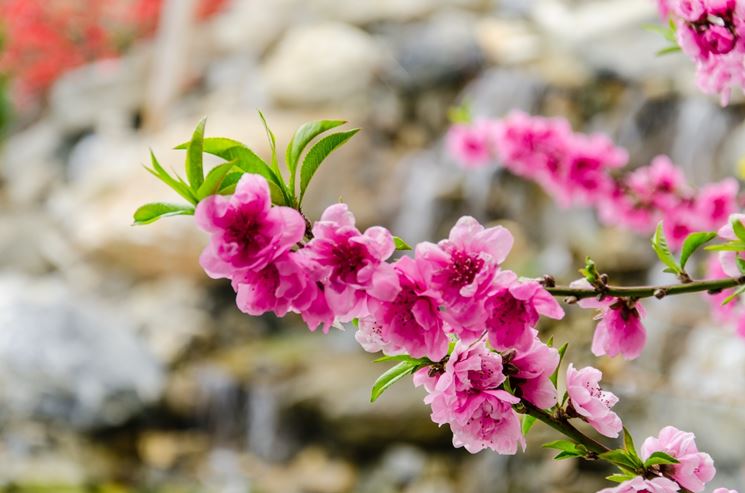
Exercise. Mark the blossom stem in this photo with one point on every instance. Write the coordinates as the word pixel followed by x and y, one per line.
pixel 562 425
pixel 713 285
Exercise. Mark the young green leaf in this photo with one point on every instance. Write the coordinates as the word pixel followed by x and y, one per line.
pixel 734 295
pixel 302 138
pixel 460 114
pixel 731 246
pixel 659 244
pixel 555 375
pixel 668 50
pixel 527 424
pixel 318 153
pixel 620 478
pixel 693 242
pixel 659 458
pixel 590 271
pixel 229 182
pixel 738 228
pixel 273 146
pixel 620 458
pixel 390 377
pixel 248 161
pixel 176 184
pixel 149 213
pixel 567 455
pixel 194 170
pixel 565 445
pixel 213 181
pixel 401 244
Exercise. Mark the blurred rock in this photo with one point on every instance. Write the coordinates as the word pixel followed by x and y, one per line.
pixel 78 362
pixel 369 11
pixel 81 98
pixel 439 51
pixel 320 64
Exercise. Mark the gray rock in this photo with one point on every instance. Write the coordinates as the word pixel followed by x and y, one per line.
pixel 321 64
pixel 69 360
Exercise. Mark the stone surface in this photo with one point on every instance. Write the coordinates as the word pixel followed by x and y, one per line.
pixel 320 64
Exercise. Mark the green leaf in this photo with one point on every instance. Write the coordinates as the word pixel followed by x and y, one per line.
pixel 565 445
pixel 301 139
pixel 660 458
pixel 248 161
pixel 213 182
pixel 732 246
pixel 659 244
pixel 555 375
pixel 149 213
pixel 527 424
pixel 194 171
pixel 460 114
pixel 620 478
pixel 318 153
pixel 390 377
pixel 668 50
pixel 567 455
pixel 620 458
pixel 628 445
pixel 175 183
pixel 590 271
pixel 273 146
pixel 229 182
pixel 401 244
pixel 402 357
pixel 738 228
pixel 734 295
pixel 693 242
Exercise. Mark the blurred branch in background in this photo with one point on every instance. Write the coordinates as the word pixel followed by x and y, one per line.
pixel 170 59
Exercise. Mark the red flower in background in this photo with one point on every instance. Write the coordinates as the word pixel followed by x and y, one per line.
pixel 42 39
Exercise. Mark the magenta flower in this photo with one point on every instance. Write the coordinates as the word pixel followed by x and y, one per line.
pixel 731 313
pixel 729 259
pixel 694 468
pixel 641 485
pixel 620 329
pixel 468 398
pixel 590 402
pixel 369 335
pixel 411 319
pixel 535 147
pixel 470 144
pixel 246 232
pixel 273 288
pixel 588 162
pixel 461 270
pixel 352 264
pixel 533 372
pixel 514 309
pixel 716 201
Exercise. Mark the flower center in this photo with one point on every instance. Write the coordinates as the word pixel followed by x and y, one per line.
pixel 463 268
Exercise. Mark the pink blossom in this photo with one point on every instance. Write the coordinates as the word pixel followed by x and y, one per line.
pixel 461 270
pixel 411 319
pixel 514 309
pixel 641 485
pixel 730 313
pixel 716 201
pixel 289 283
pixel 588 162
pixel 590 402
pixel 369 335
pixel 694 468
pixel 533 370
pixel 246 232
pixel 470 144
pixel 533 146
pixel 661 184
pixel 352 263
pixel 620 329
pixel 468 398
pixel 728 260
pixel 679 222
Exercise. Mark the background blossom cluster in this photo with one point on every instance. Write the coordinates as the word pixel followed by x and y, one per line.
pixel 712 34
pixel 580 169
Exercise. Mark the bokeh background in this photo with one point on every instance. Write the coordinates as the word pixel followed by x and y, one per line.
pixel 123 368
